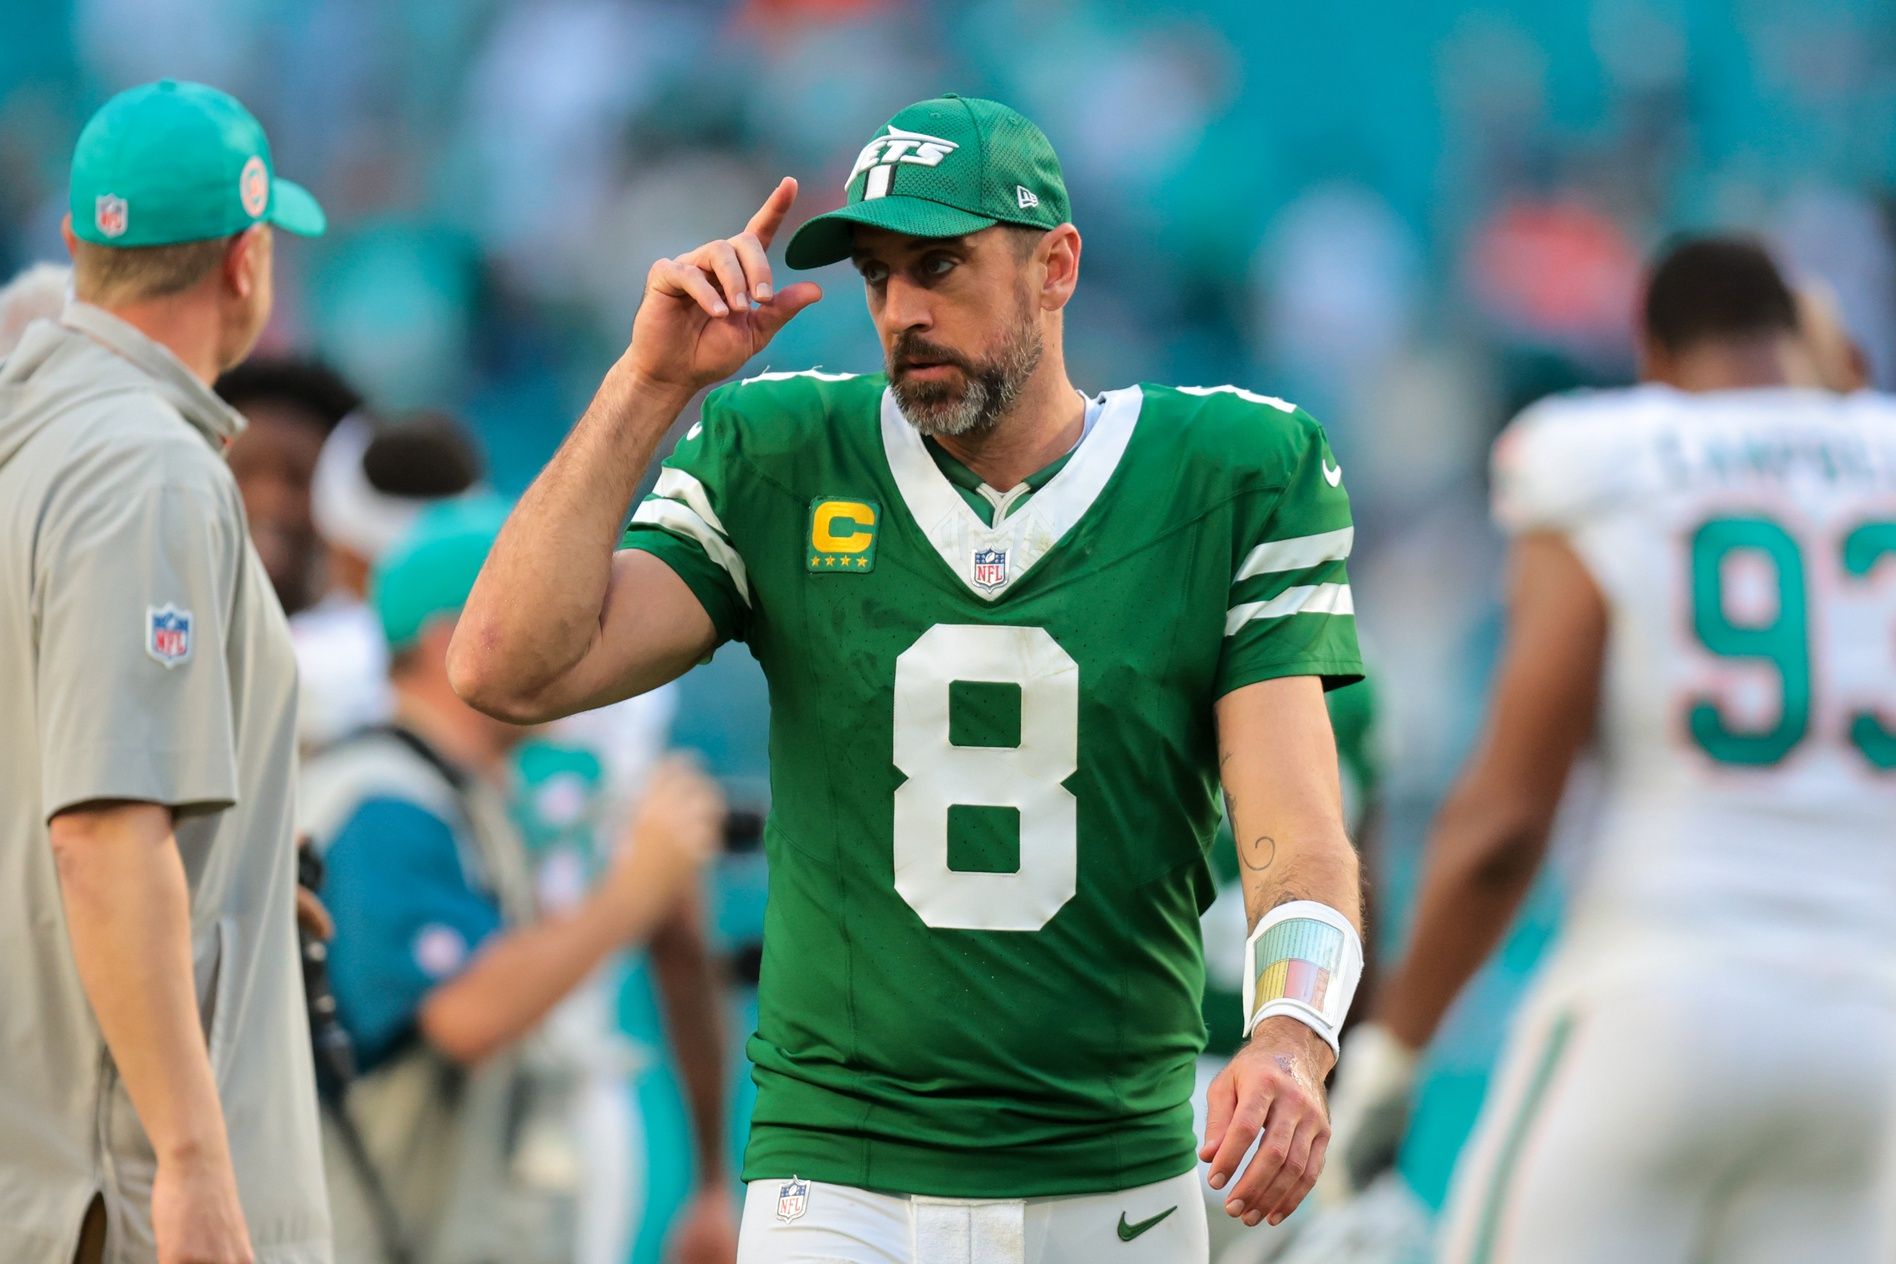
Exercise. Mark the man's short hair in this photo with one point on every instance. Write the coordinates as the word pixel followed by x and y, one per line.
pixel 313 389
pixel 1716 288
pixel 114 275
pixel 1024 237
pixel 426 456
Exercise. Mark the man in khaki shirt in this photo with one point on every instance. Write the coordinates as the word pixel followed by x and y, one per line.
pixel 157 1099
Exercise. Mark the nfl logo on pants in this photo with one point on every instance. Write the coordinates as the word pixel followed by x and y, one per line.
pixel 990 568
pixel 793 1199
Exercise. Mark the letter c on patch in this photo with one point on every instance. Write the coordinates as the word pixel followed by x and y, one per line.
pixel 843 526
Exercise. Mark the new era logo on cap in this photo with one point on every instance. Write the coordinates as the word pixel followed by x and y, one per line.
pixel 1026 196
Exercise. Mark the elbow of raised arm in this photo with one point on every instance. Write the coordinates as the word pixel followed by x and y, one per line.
pixel 482 675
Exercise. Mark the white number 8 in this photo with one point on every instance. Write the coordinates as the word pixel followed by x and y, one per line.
pixel 1026 777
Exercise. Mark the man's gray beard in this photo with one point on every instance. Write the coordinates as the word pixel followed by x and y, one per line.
pixel 937 408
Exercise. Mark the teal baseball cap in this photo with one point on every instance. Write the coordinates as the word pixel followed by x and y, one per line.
pixel 173 161
pixel 431 570
pixel 942 168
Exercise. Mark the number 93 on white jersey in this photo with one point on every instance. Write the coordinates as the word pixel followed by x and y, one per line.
pixel 1745 542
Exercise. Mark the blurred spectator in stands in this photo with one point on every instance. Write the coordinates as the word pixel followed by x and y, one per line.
pixel 292 405
pixel 1336 286
pixel 1556 276
pixel 455 1141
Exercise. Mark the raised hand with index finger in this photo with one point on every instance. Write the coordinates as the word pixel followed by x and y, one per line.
pixel 709 310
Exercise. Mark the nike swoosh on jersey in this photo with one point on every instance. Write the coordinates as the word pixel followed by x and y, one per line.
pixel 1333 474
pixel 1127 1232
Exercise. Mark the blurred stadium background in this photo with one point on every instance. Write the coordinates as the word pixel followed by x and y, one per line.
pixel 1413 218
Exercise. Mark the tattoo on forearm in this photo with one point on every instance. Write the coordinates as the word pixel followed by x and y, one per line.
pixel 1258 854
pixel 1231 800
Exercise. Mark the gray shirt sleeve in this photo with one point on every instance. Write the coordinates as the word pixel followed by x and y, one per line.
pixel 136 590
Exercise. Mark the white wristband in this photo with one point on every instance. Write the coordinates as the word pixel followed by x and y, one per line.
pixel 1304 960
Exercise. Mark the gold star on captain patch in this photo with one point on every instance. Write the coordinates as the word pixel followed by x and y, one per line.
pixel 816 561
pixel 862 563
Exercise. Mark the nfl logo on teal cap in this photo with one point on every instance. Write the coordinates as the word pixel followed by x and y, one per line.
pixel 172 162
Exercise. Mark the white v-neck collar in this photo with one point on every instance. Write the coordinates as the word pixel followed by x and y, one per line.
pixel 1003 501
pixel 1011 547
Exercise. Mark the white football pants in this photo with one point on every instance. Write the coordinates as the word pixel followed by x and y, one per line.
pixel 1161 1223
pixel 1717 1112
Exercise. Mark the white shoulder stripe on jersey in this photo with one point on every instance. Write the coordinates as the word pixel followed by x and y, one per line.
pixel 1281 405
pixel 1308 599
pixel 784 375
pixel 677 485
pixel 681 520
pixel 1297 553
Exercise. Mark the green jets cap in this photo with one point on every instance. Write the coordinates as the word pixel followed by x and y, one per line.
pixel 942 168
pixel 173 161
pixel 431 571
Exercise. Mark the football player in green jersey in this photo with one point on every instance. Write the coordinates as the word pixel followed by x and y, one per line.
pixel 1014 638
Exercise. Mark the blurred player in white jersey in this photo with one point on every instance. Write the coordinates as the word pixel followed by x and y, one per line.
pixel 1704 582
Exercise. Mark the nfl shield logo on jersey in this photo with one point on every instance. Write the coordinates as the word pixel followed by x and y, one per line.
pixel 793 1200
pixel 990 568
pixel 168 635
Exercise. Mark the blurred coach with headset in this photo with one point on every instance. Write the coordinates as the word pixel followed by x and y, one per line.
pixel 157 1099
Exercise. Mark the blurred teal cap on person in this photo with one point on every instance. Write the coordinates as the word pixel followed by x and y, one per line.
pixel 173 161
pixel 431 571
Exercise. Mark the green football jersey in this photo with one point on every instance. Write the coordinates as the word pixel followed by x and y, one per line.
pixel 993 761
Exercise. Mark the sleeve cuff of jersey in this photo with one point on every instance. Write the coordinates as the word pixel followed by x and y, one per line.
pixel 708 581
pixel 1334 672
pixel 176 779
